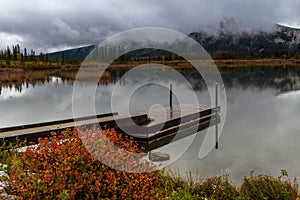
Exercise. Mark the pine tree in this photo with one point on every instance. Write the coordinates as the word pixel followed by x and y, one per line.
pixel 18 52
pixel 8 55
pixel 25 54
pixel 41 57
pixel 32 55
pixel 15 53
pixel 62 58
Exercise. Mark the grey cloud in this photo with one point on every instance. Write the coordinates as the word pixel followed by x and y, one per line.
pixel 56 24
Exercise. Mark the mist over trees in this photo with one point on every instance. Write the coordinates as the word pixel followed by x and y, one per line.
pixel 230 43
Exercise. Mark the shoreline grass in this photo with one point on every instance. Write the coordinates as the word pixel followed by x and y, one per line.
pixel 30 65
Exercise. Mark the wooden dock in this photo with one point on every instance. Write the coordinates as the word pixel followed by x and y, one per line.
pixel 165 123
pixel 171 124
pixel 32 132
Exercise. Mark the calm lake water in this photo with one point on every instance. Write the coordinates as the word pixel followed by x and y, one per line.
pixel 261 130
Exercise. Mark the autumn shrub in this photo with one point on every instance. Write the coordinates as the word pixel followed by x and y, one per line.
pixel 62 167
pixel 115 150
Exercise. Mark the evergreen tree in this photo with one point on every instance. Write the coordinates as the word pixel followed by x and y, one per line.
pixel 32 55
pixel 25 54
pixel 41 57
pixel 62 58
pixel 8 55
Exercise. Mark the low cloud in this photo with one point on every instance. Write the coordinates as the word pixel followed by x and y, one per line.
pixel 55 24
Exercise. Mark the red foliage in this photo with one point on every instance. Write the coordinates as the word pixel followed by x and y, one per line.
pixel 62 167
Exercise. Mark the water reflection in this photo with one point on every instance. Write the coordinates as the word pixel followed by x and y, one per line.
pixel 282 79
pixel 261 133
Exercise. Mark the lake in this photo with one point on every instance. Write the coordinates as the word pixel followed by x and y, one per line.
pixel 261 130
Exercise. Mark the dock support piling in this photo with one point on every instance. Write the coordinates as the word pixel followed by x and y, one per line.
pixel 217 117
pixel 171 101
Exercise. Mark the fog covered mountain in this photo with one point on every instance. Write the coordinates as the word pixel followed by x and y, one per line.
pixel 228 43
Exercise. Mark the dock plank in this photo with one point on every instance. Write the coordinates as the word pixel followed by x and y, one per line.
pixel 35 130
pixel 180 110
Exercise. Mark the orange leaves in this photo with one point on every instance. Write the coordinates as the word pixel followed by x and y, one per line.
pixel 61 166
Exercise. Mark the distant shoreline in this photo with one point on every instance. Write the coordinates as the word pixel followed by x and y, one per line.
pixel 175 64
pixel 258 62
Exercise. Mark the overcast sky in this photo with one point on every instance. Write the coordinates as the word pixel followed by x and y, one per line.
pixel 58 24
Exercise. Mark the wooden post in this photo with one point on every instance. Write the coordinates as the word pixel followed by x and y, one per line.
pixel 217 118
pixel 171 101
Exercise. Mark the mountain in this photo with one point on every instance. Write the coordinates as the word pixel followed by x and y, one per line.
pixel 281 43
pixel 284 42
pixel 79 54
pixel 76 54
pixel 292 32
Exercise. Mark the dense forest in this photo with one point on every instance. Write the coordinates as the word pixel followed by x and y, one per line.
pixel 16 54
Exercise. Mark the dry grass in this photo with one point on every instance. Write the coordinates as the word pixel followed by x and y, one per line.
pixel 260 187
pixel 267 187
